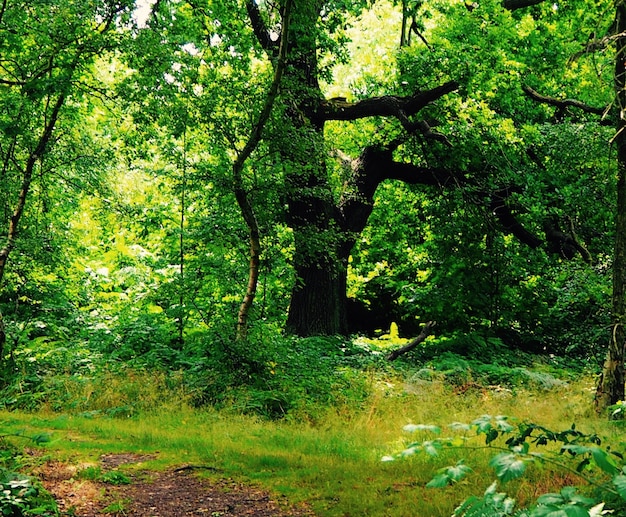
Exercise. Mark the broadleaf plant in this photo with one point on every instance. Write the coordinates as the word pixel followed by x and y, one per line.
pixel 515 447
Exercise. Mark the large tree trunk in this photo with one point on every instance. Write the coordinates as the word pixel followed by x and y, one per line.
pixel 611 386
pixel 318 298
pixel 317 303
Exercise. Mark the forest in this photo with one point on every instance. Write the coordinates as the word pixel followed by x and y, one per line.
pixel 367 238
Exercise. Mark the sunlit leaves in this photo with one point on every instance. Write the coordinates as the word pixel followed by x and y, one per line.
pixel 449 475
pixel 411 428
pixel 567 503
pixel 516 446
pixel 508 466
pixel 492 503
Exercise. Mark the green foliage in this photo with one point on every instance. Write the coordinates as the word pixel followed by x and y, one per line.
pixel 514 447
pixel 21 495
pixel 133 257
pixel 274 376
pixel 492 504
pixel 111 477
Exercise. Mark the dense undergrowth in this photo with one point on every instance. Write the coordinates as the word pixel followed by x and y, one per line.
pixel 275 378
pixel 330 455
pixel 294 389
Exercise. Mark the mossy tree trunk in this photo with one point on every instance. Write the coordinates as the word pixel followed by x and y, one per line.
pixel 611 385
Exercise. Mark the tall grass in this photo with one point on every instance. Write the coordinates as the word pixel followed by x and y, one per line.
pixel 331 461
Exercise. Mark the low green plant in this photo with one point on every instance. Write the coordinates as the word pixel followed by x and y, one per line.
pixel 513 447
pixel 119 507
pixel 21 495
pixel 110 477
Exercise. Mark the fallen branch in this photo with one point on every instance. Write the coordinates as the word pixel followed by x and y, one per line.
pixel 407 348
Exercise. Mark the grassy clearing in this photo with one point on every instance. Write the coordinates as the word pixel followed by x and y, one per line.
pixel 332 461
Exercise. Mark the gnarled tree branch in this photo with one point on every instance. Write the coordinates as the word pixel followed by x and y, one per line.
pixel 597 44
pixel 510 224
pixel 260 29
pixel 512 5
pixel 385 106
pixel 563 104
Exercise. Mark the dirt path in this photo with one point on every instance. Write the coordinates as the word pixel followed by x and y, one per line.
pixel 174 493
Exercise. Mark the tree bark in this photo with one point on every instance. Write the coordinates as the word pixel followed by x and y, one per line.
pixel 426 331
pixel 611 386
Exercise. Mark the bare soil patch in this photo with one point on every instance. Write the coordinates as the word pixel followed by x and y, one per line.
pixel 173 493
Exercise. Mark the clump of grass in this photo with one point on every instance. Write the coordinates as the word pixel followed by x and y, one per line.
pixel 120 392
pixel 111 477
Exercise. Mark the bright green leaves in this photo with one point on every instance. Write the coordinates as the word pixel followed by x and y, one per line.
pixel 619 482
pixel 567 503
pixel 492 504
pixel 449 475
pixel 491 427
pixel 411 428
pixel 508 466
pixel 516 446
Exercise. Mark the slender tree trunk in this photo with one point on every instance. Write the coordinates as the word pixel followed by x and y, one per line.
pixel 18 211
pixel 241 194
pixel 611 385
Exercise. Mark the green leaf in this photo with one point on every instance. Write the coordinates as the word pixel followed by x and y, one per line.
pixel 619 482
pixel 482 424
pixel 448 475
pixel 603 460
pixel 439 481
pixel 548 511
pixel 502 425
pixel 459 426
pixel 431 448
pixel 550 499
pixel 458 471
pixel 576 449
pixel 492 434
pixel 411 428
pixel 576 511
pixel 41 438
pixel 508 466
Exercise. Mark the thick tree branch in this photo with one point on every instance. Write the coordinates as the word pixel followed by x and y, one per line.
pixel 503 212
pixel 260 29
pixel 512 5
pixel 385 106
pixel 376 164
pixel 563 104
pixel 370 169
pixel 564 243
pixel 426 331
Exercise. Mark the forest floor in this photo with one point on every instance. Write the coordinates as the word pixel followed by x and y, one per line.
pixel 173 493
